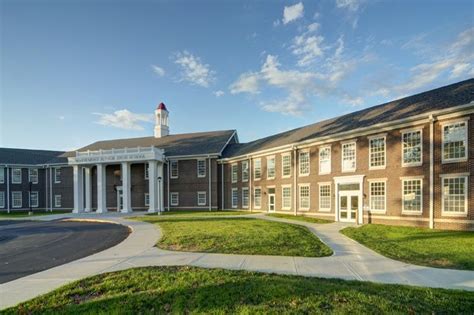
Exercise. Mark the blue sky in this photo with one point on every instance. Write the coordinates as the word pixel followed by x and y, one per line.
pixel 74 72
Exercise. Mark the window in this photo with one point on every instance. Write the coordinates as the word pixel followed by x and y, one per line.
pixel 286 197
pixel 34 199
pixel 412 148
pixel 349 157
pixel 17 199
pixel 235 197
pixel 270 167
pixel 377 153
pixel 147 199
pixel 174 199
pixel 304 197
pixel 377 196
pixel 2 175
pixel 412 196
pixel 174 169
pixel 235 173
pixel 245 171
pixel 201 168
pixel 57 175
pixel 57 201
pixel 257 169
pixel 455 141
pixel 33 175
pixel 147 171
pixel 202 198
pixel 245 197
pixel 325 160
pixel 304 163
pixel 2 199
pixel 286 165
pixel 257 197
pixel 16 176
pixel 454 195
pixel 324 197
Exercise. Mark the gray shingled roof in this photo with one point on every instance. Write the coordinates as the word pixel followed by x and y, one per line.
pixel 441 98
pixel 199 143
pixel 30 157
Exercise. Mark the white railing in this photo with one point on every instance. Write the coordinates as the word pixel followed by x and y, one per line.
pixel 114 151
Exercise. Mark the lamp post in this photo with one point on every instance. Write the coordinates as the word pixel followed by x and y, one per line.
pixel 159 195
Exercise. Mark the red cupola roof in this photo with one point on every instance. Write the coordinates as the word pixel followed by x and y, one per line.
pixel 162 106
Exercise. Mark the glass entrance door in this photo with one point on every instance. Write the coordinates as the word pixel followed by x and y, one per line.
pixel 348 206
pixel 271 202
pixel 119 199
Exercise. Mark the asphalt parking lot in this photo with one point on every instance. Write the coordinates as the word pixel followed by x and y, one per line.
pixel 27 247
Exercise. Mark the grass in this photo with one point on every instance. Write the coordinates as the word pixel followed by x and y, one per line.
pixel 201 213
pixel 298 218
pixel 421 246
pixel 191 290
pixel 237 236
pixel 24 213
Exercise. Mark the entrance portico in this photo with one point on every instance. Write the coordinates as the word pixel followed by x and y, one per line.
pixel 82 163
pixel 349 198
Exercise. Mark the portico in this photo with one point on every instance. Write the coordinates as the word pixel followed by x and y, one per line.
pixel 84 161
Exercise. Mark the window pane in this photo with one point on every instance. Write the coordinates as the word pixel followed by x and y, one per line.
pixel 286 165
pixel 377 152
pixel 349 156
pixel 258 197
pixel 412 195
pixel 411 142
pixel 377 196
pixel 325 160
pixel 454 194
pixel 271 167
pixel 325 197
pixel 454 141
pixel 304 163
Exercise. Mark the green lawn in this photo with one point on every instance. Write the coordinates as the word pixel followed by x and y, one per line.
pixel 190 290
pixel 298 218
pixel 24 213
pixel 201 212
pixel 237 236
pixel 421 246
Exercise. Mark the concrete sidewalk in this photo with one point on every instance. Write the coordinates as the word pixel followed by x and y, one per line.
pixel 350 261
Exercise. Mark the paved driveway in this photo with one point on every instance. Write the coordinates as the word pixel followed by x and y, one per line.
pixel 27 247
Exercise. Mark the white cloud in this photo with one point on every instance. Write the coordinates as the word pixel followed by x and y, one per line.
pixel 292 13
pixel 351 5
pixel 61 117
pixel 460 69
pixel 246 83
pixel 313 27
pixel 353 100
pixel 307 48
pixel 218 93
pixel 193 70
pixel 124 119
pixel 158 70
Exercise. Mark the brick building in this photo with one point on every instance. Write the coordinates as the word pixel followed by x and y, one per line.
pixel 406 162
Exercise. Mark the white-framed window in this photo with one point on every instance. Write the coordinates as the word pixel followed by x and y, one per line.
pixel 17 199
pixel 325 197
pixel 454 195
pixel 174 199
pixel 324 160
pixel 174 169
pixel 378 195
pixel 245 171
pixel 412 148
pixel 147 171
pixel 34 202
pixel 57 175
pixel 377 152
pixel 286 165
pixel 412 195
pixel 304 197
pixel 270 167
pixel 2 175
pixel 16 175
pixel 2 199
pixel 33 175
pixel 286 197
pixel 201 168
pixel 57 201
pixel 349 157
pixel 234 172
pixel 257 200
pixel 257 169
pixel 454 141
pixel 147 199
pixel 245 197
pixel 201 198
pixel 304 163
pixel 235 197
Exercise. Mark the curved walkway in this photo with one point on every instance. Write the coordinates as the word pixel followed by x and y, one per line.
pixel 351 261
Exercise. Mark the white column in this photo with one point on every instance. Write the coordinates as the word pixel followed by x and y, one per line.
pixel 161 200
pixel 152 190
pixel 126 186
pixel 101 189
pixel 88 188
pixel 78 191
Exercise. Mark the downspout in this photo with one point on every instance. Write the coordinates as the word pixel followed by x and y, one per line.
pixel 222 186
pixel 210 186
pixel 51 189
pixel 250 183
pixel 295 188
pixel 431 171
pixel 8 189
pixel 168 182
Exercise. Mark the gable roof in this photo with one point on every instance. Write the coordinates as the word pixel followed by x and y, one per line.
pixel 199 143
pixel 30 157
pixel 441 98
